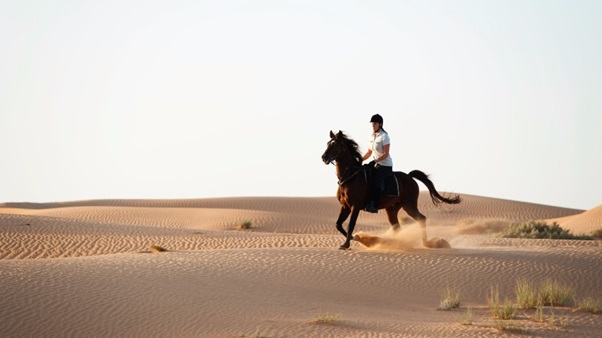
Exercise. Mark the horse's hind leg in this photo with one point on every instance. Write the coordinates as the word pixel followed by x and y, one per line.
pixel 415 214
pixel 392 212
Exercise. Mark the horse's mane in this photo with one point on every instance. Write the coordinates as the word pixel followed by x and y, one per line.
pixel 353 148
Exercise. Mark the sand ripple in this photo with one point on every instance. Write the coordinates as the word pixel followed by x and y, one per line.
pixel 82 269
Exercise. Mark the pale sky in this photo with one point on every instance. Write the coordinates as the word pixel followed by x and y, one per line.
pixel 194 99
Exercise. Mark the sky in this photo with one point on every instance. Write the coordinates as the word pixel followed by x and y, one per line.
pixel 199 99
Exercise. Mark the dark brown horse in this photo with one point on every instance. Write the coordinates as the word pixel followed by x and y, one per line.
pixel 353 188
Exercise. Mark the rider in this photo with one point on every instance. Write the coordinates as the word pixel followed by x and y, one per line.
pixel 381 161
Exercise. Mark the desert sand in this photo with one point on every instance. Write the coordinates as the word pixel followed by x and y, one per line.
pixel 86 269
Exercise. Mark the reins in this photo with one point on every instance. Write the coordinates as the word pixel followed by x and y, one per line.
pixel 342 182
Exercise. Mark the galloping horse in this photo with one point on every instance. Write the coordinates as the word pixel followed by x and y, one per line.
pixel 353 188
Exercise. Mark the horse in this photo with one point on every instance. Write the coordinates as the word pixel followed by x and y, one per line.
pixel 353 190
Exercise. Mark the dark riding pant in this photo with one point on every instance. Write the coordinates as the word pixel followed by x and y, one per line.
pixel 378 182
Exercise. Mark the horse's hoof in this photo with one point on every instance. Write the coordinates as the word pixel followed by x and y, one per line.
pixel 344 247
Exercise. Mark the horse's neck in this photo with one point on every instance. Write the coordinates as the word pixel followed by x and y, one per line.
pixel 345 168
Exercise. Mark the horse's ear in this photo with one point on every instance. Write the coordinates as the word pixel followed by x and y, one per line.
pixel 331 134
pixel 339 134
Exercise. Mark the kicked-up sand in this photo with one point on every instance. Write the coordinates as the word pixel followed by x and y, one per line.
pixel 85 269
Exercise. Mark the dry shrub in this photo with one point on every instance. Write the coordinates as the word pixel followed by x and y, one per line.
pixel 449 299
pixel 157 249
pixel 539 230
pixel 245 225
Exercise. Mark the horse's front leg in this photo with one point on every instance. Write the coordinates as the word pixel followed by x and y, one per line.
pixel 345 211
pixel 354 213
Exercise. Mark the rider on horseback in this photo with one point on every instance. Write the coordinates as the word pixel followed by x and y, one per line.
pixel 381 161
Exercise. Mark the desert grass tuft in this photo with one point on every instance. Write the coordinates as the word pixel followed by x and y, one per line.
pixel 597 233
pixel 590 304
pixel 556 294
pixel 157 249
pixel 549 292
pixel 504 311
pixel 559 322
pixel 493 299
pixel 325 318
pixel 468 317
pixel 539 315
pixel 245 225
pixel 450 299
pixel 527 295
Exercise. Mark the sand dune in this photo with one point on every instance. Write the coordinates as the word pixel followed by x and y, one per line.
pixel 583 223
pixel 82 269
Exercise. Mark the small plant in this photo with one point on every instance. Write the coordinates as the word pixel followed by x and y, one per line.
pixel 590 304
pixel 560 322
pixel 527 296
pixel 449 299
pixel 539 316
pixel 468 317
pixel 538 229
pixel 245 225
pixel 325 318
pixel 493 300
pixel 510 326
pixel 597 233
pixel 504 311
pixel 157 249
pixel 555 294
pixel 508 310
pixel 550 292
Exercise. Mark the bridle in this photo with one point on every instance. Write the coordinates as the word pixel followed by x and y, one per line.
pixel 342 180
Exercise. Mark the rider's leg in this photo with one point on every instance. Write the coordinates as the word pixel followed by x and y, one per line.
pixel 380 173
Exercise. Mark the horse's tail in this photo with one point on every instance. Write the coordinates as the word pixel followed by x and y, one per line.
pixel 435 196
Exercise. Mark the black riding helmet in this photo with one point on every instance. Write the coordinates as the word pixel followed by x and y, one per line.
pixel 377 118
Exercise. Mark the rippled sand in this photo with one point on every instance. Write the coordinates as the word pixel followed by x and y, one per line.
pixel 84 269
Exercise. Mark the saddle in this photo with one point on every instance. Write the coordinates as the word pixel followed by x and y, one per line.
pixel 391 187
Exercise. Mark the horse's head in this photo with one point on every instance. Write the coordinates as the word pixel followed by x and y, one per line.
pixel 334 148
pixel 342 149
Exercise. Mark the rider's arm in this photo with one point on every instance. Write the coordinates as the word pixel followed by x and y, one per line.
pixel 367 155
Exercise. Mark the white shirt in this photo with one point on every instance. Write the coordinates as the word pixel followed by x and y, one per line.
pixel 378 141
